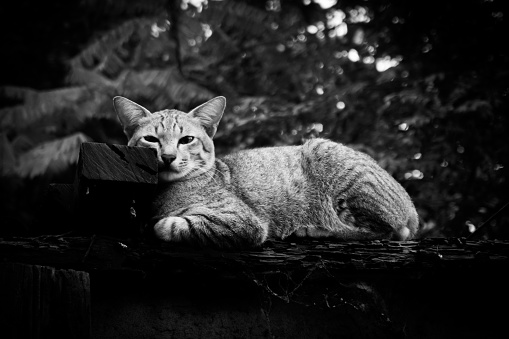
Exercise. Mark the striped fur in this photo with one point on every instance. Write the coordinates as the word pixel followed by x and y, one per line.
pixel 319 189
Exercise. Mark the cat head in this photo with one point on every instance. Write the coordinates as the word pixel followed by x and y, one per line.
pixel 183 141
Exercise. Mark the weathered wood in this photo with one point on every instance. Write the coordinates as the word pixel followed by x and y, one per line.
pixel 113 187
pixel 379 289
pixel 118 163
pixel 385 256
pixel 44 302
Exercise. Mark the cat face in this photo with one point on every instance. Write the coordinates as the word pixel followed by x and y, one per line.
pixel 183 141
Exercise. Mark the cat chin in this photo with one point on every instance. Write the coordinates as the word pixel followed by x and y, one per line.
pixel 169 176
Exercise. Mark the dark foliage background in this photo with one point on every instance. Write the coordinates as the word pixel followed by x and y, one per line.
pixel 420 86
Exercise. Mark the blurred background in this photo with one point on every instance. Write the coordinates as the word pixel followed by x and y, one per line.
pixel 421 86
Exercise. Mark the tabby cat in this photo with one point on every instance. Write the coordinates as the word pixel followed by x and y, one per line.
pixel 319 189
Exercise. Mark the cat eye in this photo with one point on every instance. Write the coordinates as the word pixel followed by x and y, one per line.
pixel 150 138
pixel 186 140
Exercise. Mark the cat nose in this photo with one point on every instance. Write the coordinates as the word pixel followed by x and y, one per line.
pixel 168 158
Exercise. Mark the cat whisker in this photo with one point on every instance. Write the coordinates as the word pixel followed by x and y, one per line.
pixel 202 165
pixel 213 169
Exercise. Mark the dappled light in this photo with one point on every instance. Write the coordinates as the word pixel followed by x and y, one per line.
pixel 383 64
pixel 325 4
pixel 353 55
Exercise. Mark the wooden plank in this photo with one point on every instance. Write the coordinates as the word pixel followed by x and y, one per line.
pixel 385 257
pixel 107 162
pixel 44 302
pixel 113 188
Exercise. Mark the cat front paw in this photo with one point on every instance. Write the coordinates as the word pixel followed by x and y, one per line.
pixel 171 229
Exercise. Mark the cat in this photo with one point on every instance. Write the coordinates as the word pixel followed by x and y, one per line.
pixel 319 189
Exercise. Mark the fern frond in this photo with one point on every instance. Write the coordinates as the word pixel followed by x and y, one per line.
pixel 39 104
pixel 93 79
pixel 101 51
pixel 164 88
pixel 475 105
pixel 17 93
pixel 50 157
pixel 186 93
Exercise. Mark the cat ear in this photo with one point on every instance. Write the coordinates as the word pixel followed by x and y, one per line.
pixel 129 113
pixel 209 114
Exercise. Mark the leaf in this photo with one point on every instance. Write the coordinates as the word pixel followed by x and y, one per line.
pixel 474 106
pixel 51 156
pixel 19 93
pixel 38 104
pixel 102 50
pixel 163 88
pixel 81 76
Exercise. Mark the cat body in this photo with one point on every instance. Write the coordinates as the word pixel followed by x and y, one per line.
pixel 319 189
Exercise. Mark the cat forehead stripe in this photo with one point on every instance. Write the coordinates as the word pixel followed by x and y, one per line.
pixel 163 126
pixel 178 124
